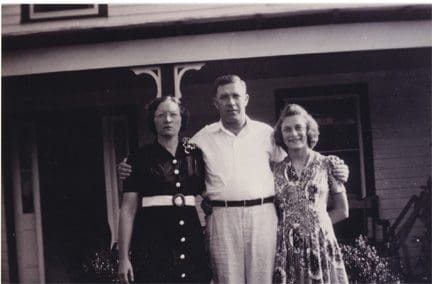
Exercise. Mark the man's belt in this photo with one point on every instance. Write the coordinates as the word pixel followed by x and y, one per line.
pixel 178 200
pixel 241 203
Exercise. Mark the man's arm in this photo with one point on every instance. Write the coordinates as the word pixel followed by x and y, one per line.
pixel 341 172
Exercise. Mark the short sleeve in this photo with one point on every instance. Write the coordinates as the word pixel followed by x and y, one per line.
pixel 199 170
pixel 336 185
pixel 277 154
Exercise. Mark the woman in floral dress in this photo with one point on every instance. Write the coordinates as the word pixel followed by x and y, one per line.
pixel 307 249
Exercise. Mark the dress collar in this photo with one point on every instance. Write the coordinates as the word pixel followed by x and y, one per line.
pixel 180 148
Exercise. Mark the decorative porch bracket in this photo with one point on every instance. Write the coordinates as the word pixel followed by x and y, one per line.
pixel 179 71
pixel 155 73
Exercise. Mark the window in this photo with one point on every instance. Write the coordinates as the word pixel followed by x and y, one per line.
pixel 342 115
pixel 46 12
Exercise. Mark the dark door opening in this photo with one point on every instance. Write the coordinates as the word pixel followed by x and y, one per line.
pixel 72 191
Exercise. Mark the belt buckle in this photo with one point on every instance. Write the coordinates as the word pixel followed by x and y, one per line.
pixel 179 200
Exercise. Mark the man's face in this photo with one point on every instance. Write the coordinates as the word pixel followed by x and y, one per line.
pixel 231 101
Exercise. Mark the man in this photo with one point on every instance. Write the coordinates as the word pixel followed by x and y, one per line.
pixel 239 185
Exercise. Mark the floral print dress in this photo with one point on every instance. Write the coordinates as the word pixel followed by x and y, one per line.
pixel 307 249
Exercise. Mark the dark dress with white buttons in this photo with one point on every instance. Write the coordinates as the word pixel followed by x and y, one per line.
pixel 167 242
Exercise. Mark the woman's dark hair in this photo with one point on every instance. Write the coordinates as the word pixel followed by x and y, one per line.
pixel 153 105
pixel 312 130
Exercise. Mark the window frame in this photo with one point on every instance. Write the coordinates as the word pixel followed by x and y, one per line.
pixel 359 204
pixel 28 14
pixel 359 92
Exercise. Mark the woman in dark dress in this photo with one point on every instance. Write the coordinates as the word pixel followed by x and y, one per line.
pixel 159 223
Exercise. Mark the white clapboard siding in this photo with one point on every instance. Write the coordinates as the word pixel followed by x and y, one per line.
pixel 11 15
pixel 417 159
pixel 395 182
pixel 138 14
pixel 402 192
pixel 401 122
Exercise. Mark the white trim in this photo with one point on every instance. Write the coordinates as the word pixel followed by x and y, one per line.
pixel 111 185
pixel 64 13
pixel 232 45
pixel 179 71
pixel 37 205
pixel 361 146
pixel 28 226
pixel 155 73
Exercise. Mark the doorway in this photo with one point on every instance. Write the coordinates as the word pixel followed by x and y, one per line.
pixel 72 191
pixel 341 112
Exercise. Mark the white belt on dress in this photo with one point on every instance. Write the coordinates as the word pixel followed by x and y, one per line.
pixel 178 200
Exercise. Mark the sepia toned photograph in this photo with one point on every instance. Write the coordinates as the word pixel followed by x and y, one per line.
pixel 216 142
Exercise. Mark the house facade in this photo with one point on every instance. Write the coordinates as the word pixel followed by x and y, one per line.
pixel 76 79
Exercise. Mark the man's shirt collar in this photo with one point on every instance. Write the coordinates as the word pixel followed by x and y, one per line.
pixel 220 127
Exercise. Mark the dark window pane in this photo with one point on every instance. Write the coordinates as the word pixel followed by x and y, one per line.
pixel 337 120
pixel 43 8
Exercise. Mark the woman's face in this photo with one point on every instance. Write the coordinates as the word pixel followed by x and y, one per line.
pixel 167 119
pixel 294 131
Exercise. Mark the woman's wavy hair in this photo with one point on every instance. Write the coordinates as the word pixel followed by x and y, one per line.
pixel 153 105
pixel 312 130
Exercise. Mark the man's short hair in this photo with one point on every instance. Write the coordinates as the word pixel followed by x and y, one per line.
pixel 227 79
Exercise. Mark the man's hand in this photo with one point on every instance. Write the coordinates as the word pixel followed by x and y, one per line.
pixel 206 206
pixel 124 170
pixel 341 172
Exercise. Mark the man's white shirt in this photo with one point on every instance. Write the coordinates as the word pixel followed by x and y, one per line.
pixel 238 166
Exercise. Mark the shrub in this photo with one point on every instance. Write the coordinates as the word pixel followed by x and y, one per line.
pixel 101 267
pixel 364 265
